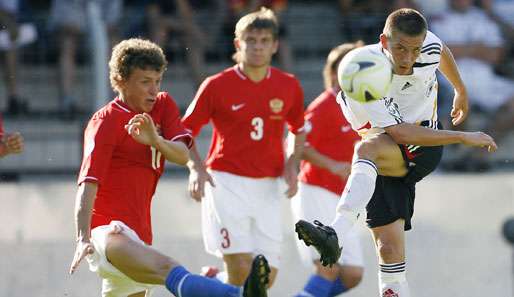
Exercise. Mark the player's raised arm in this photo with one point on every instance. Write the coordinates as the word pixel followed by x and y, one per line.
pixel 460 100
pixel 142 128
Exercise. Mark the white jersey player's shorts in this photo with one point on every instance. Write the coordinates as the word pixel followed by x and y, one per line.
pixel 242 215
pixel 316 203
pixel 114 282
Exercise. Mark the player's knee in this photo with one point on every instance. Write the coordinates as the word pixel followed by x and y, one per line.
pixel 352 276
pixel 330 273
pixel 389 252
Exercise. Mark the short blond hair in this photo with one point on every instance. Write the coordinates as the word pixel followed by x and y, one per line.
pixel 134 53
pixel 334 57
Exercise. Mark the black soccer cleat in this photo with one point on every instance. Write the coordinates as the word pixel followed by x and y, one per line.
pixel 323 238
pixel 257 281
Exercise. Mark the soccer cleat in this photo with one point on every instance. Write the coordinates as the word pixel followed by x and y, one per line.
pixel 323 238
pixel 257 281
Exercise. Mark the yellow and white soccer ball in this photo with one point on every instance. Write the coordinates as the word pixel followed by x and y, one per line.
pixel 365 74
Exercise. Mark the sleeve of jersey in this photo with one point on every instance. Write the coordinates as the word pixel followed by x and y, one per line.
pixel 295 116
pixel 430 51
pixel 172 126
pixel 199 111
pixel 99 142
pixel 312 127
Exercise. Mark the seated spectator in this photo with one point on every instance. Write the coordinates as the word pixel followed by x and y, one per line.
pixel 364 19
pixel 476 42
pixel 16 33
pixel 502 13
pixel 69 20
pixel 10 143
pixel 239 8
pixel 170 21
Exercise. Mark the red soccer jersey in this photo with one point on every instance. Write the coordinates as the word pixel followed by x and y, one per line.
pixel 331 135
pixel 248 119
pixel 125 170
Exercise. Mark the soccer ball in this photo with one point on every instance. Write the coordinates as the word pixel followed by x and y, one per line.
pixel 365 75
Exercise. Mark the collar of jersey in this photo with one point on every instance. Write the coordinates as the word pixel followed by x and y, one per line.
pixel 123 105
pixel 243 76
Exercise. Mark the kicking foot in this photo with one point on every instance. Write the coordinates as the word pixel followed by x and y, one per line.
pixel 323 238
pixel 257 282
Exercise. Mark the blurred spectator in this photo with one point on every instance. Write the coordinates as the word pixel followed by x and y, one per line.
pixel 69 20
pixel 502 13
pixel 432 7
pixel 364 19
pixel 170 21
pixel 476 42
pixel 16 32
pixel 239 8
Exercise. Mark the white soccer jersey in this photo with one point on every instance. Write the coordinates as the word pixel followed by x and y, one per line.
pixel 411 98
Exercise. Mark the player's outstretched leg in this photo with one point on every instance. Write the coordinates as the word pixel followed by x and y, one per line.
pixel 257 282
pixel 322 237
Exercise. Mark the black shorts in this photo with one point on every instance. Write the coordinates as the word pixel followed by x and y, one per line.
pixel 393 198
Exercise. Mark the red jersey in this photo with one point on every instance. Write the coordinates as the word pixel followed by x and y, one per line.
pixel 331 135
pixel 248 120
pixel 125 170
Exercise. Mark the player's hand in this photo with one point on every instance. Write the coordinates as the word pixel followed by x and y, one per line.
pixel 480 139
pixel 341 169
pixel 460 108
pixel 142 128
pixel 291 178
pixel 197 180
pixel 14 143
pixel 83 249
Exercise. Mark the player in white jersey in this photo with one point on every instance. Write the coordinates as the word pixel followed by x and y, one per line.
pixel 402 143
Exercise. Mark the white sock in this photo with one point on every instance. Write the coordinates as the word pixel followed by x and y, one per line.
pixel 356 195
pixel 392 280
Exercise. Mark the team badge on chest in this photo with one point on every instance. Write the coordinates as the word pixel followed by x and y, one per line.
pixel 276 105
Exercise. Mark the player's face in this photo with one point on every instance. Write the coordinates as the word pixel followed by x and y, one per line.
pixel 256 47
pixel 140 90
pixel 404 50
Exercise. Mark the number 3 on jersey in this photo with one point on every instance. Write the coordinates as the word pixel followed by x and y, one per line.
pixel 258 128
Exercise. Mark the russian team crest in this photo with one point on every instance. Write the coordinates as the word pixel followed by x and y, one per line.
pixel 276 105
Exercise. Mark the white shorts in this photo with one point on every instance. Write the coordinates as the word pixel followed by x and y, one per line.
pixel 315 203
pixel 242 215
pixel 114 282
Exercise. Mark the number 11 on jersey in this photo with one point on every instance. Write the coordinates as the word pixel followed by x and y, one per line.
pixel 156 158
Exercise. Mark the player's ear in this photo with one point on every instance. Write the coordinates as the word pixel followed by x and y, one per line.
pixel 237 45
pixel 383 40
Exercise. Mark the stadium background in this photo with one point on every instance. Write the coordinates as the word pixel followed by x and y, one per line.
pixel 455 248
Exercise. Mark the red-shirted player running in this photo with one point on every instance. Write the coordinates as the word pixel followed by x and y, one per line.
pixel 249 104
pixel 125 145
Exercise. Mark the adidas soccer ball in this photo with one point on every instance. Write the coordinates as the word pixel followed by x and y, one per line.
pixel 365 75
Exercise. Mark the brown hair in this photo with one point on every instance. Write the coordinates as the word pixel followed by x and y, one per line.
pixel 334 57
pixel 134 53
pixel 407 21
pixel 262 19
